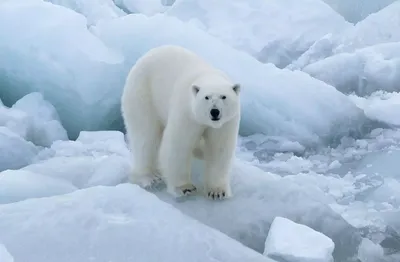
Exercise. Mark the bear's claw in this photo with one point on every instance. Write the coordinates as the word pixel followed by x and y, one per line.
pixel 187 189
pixel 217 194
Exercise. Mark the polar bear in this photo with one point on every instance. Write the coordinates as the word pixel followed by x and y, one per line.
pixel 176 106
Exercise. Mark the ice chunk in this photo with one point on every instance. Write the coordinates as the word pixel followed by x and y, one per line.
pixel 381 106
pixel 4 255
pixel 273 31
pixel 84 171
pixel 258 198
pixel 356 10
pixel 95 158
pixel 379 28
pixel 15 152
pixel 60 58
pixel 294 242
pixel 369 251
pixel 367 70
pixel 16 121
pixel 93 10
pixel 147 7
pixel 274 102
pixel 18 185
pixel 46 127
pixel 34 119
pixel 123 223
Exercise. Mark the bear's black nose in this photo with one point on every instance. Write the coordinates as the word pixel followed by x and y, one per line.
pixel 214 114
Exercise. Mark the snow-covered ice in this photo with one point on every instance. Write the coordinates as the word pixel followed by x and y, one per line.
pixel 101 158
pixel 293 242
pixel 147 7
pixel 273 31
pixel 379 28
pixel 110 224
pixel 15 152
pixel 274 102
pixel 61 59
pixel 4 255
pixel 380 105
pixel 93 10
pixel 319 146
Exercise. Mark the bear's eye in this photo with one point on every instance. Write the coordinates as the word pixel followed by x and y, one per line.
pixel 207 97
pixel 223 97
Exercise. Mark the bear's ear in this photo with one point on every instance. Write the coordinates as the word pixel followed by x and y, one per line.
pixel 195 89
pixel 236 88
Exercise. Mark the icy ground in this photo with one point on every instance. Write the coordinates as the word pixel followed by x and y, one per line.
pixel 319 142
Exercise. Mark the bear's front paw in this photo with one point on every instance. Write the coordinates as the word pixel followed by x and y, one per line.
pixel 218 193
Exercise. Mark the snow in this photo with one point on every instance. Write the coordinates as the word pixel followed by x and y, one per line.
pixel 304 116
pixel 102 159
pixel 272 31
pixel 319 140
pixel 4 255
pixel 293 242
pixel 147 7
pixel 109 224
pixel 93 10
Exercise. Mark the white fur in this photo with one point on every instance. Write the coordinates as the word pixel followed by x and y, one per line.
pixel 168 121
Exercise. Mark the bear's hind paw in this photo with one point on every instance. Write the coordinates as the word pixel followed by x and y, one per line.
pixel 147 181
pixel 186 189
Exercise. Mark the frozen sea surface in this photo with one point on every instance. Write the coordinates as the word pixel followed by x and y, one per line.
pixel 109 224
pixel 319 141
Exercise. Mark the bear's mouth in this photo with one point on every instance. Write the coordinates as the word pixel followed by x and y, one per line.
pixel 215 118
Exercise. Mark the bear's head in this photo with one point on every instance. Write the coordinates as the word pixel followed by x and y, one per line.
pixel 215 102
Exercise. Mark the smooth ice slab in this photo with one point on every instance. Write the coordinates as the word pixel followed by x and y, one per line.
pixel 123 223
pixel 294 242
pixel 61 59
pixel 18 185
pixel 273 31
pixel 357 10
pixel 275 102
pixel 367 70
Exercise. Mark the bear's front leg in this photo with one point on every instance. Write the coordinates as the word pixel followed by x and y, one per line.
pixel 219 152
pixel 175 157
